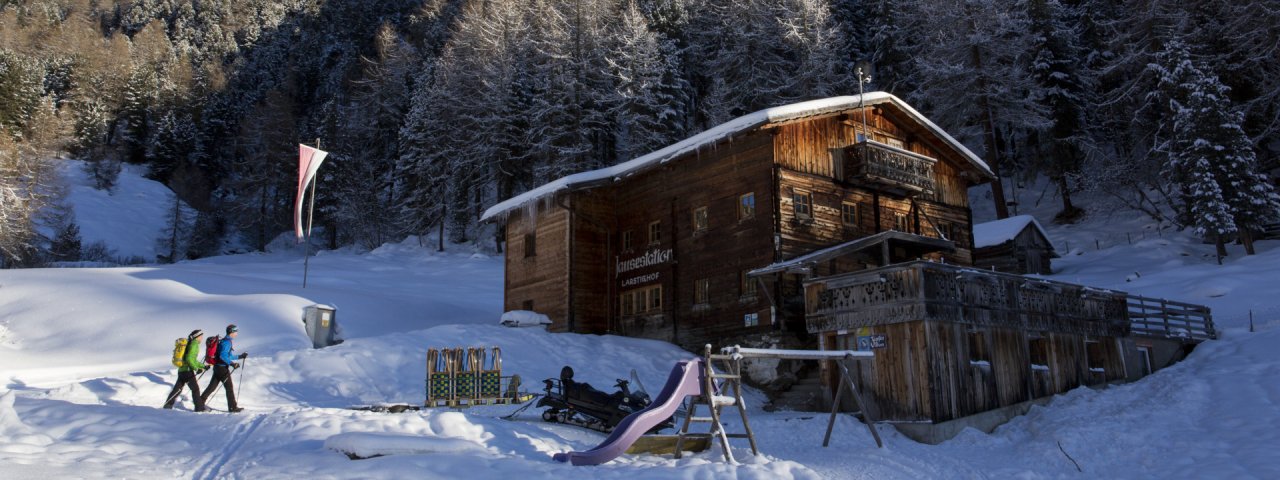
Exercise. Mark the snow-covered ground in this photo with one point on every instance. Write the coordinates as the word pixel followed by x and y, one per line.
pixel 85 357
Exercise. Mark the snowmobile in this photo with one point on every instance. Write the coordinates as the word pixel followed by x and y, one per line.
pixel 578 403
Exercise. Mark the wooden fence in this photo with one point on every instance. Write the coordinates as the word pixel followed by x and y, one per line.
pixel 1157 317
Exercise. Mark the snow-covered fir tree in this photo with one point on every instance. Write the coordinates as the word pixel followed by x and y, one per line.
pixel 1209 156
pixel 174 242
pixel 649 85
pixel 1057 65
pixel 974 79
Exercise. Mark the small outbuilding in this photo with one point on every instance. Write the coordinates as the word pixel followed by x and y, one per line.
pixel 1013 245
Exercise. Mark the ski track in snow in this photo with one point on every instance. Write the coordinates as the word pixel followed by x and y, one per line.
pixel 212 469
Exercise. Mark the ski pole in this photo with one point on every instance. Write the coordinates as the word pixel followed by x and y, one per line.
pixel 244 362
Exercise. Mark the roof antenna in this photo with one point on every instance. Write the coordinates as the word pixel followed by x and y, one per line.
pixel 863 71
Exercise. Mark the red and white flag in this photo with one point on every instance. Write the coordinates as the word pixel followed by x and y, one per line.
pixel 309 160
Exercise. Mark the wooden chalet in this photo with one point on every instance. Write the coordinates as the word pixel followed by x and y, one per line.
pixel 840 223
pixel 664 246
pixel 1013 245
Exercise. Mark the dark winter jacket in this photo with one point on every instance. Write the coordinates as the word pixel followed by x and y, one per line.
pixel 191 359
pixel 225 357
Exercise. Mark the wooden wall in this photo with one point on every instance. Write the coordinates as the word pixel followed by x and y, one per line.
pixel 592 224
pixel 826 226
pixel 928 371
pixel 805 146
pixel 542 278
pixel 713 178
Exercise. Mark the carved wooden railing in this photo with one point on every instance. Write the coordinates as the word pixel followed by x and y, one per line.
pixel 870 161
pixel 924 290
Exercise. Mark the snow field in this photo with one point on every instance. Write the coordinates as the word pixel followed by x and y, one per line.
pixel 85 356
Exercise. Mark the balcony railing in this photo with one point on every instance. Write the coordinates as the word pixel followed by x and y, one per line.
pixel 875 162
pixel 922 290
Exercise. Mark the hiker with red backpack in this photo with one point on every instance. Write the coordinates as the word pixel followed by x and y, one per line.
pixel 187 359
pixel 219 353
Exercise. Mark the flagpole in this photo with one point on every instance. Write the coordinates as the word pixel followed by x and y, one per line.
pixel 311 209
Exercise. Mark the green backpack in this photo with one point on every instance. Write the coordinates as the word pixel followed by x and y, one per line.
pixel 179 351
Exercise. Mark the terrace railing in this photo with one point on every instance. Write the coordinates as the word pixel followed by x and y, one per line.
pixel 922 290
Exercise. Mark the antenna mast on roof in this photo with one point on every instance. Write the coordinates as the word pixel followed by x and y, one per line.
pixel 863 71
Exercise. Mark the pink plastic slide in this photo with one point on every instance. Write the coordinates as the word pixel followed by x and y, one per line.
pixel 685 379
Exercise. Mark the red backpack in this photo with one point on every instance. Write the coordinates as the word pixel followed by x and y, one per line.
pixel 211 349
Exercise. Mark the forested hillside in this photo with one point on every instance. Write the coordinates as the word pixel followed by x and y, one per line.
pixel 435 109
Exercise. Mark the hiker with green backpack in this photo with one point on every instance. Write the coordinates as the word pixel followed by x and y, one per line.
pixel 186 356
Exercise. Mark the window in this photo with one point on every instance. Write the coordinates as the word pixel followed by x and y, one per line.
pixel 746 285
pixel 947 230
pixel 1095 356
pixel 530 245
pixel 1039 353
pixel 701 291
pixel 850 214
pixel 527 305
pixel 894 142
pixel 699 219
pixel 802 203
pixel 901 223
pixel 978 352
pixel 747 206
pixel 626 240
pixel 628 304
pixel 655 232
pixel 642 300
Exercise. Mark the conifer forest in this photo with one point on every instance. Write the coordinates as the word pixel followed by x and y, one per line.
pixel 433 110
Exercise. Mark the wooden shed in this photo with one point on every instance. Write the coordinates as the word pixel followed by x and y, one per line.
pixel 1013 245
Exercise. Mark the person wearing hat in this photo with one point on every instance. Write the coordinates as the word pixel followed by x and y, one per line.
pixel 191 366
pixel 222 367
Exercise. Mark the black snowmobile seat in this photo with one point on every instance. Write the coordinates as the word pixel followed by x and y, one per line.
pixel 584 391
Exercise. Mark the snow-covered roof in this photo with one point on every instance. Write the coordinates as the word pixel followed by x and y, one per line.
pixel 1000 231
pixel 724 131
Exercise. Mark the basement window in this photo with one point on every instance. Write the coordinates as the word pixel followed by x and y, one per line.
pixel 1096 356
pixel 979 353
pixel 1039 349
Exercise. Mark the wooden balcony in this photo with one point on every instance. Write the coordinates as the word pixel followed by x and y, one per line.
pixel 879 164
pixel 921 290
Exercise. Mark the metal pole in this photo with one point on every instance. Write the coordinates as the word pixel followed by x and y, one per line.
pixel 306 250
